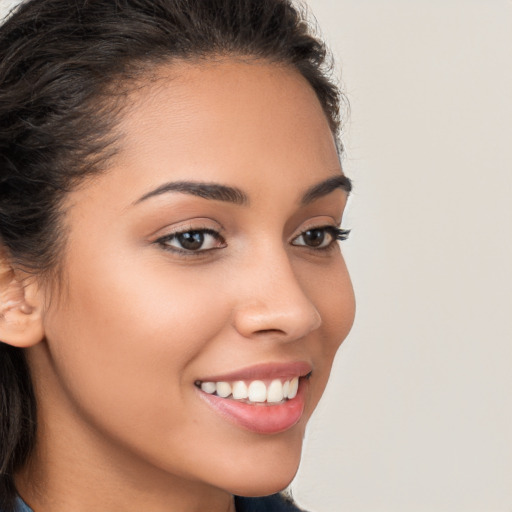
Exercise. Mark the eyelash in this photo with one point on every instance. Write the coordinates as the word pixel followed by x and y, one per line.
pixel 164 241
pixel 336 234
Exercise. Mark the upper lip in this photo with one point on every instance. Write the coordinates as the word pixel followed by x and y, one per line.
pixel 264 371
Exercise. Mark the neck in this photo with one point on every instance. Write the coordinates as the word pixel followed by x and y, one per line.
pixel 61 475
pixel 49 484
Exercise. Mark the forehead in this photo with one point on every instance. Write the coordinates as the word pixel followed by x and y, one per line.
pixel 231 87
pixel 252 125
pixel 240 111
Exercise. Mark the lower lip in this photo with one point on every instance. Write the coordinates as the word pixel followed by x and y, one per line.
pixel 261 418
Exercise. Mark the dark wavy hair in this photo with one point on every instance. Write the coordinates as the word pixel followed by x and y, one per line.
pixel 66 67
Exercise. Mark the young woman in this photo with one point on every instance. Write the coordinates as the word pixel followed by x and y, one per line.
pixel 172 292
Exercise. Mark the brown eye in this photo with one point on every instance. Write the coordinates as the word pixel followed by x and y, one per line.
pixel 193 240
pixel 313 237
pixel 320 238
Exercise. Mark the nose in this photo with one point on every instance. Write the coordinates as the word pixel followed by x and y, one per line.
pixel 273 303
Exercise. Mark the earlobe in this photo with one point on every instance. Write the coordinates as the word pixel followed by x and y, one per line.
pixel 20 314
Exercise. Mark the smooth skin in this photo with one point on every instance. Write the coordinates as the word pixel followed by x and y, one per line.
pixel 140 318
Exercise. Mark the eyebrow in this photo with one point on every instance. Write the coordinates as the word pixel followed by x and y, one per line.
pixel 212 191
pixel 218 192
pixel 325 187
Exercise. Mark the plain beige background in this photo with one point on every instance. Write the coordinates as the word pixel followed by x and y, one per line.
pixel 418 416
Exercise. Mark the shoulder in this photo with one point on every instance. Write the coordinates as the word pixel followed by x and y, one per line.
pixel 19 506
pixel 273 503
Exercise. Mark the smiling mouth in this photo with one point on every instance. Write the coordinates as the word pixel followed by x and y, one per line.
pixel 255 392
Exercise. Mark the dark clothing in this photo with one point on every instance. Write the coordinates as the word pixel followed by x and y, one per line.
pixel 274 503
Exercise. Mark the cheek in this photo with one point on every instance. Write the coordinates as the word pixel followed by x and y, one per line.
pixel 125 335
pixel 331 292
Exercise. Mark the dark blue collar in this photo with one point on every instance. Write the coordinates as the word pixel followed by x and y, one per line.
pixel 21 506
pixel 274 503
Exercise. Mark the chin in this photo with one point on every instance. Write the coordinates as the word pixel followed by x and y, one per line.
pixel 266 475
pixel 264 486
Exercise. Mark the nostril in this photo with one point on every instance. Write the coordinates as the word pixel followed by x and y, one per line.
pixel 270 331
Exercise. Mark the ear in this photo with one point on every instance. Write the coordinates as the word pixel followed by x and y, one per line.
pixel 20 314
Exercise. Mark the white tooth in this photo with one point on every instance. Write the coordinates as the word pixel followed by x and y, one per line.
pixel 275 391
pixel 223 389
pixel 208 387
pixel 257 391
pixel 240 390
pixel 286 388
pixel 294 386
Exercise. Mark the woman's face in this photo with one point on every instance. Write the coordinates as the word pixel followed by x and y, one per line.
pixel 205 254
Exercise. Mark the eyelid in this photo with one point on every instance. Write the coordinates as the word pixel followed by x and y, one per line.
pixel 206 226
pixel 317 222
pixel 164 242
pixel 193 224
pixel 335 232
